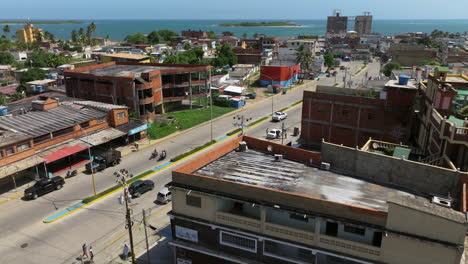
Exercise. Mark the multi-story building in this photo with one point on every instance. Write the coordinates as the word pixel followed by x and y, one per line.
pixel 310 44
pixel 189 34
pixel 147 88
pixel 279 74
pixel 363 24
pixel 350 117
pixel 52 136
pixel 337 24
pixel 443 113
pixel 248 56
pixel 254 201
pixel 29 33
pixel 410 55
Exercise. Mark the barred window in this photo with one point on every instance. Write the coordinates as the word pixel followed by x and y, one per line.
pixel 120 115
pixel 23 146
pixel 238 241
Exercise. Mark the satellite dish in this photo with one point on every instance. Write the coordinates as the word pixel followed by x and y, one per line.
pixel 270 148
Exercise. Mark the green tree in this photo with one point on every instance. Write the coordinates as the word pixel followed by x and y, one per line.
pixel 305 57
pixel 43 59
pixel 6 30
pixel 17 96
pixel 225 56
pixel 211 34
pixel 81 35
pixel 74 36
pixel 3 99
pixel 391 66
pixel 6 58
pixel 49 36
pixel 255 35
pixel 38 36
pixel 153 37
pixel 167 35
pixel 187 46
pixel 136 38
pixel 227 33
pixel 33 74
pixel 430 62
pixel 328 60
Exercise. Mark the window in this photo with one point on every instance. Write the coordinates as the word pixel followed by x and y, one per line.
pixel 102 120
pixel 9 151
pixel 370 116
pixel 299 217
pixel 354 230
pixel 121 115
pixel 331 229
pixel 377 240
pixel 345 112
pixel 23 146
pixel 1 153
pixel 238 241
pixel 194 201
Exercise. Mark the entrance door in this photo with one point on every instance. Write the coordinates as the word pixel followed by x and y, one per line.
pixel 331 229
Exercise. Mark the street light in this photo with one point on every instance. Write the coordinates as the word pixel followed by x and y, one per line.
pixel 121 178
pixel 90 157
pixel 272 103
pixel 241 120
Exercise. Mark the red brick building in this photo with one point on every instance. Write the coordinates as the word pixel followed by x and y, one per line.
pixel 194 34
pixel 248 56
pixel 351 117
pixel 147 88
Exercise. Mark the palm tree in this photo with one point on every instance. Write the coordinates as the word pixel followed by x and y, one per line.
pixel 74 36
pixel 81 35
pixel 38 36
pixel 6 30
pixel 305 57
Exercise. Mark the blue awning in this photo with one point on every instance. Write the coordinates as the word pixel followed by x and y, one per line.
pixel 138 129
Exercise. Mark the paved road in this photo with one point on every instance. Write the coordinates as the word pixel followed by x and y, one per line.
pixel 25 239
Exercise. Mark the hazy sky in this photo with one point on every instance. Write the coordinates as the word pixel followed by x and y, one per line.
pixel 236 9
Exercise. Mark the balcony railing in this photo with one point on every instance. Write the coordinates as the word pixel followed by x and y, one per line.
pixel 289 233
pixel 238 221
pixel 437 117
pixel 350 247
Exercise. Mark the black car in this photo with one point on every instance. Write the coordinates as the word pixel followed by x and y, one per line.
pixel 251 96
pixel 138 188
pixel 44 186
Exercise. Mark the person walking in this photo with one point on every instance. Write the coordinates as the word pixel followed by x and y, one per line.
pixel 85 252
pixel 91 254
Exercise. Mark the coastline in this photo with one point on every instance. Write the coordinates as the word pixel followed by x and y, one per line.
pixel 295 26
pixel 18 22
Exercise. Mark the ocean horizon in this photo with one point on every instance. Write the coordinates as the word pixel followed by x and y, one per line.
pixel 117 29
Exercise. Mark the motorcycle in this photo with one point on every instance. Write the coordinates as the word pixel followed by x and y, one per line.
pixel 154 154
pixel 71 174
pixel 163 155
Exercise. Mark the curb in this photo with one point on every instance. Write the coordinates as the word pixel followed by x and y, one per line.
pixel 76 207
pixel 12 197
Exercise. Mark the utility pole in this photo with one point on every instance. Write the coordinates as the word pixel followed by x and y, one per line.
pixel 240 122
pixel 211 115
pixel 148 259
pixel 283 133
pixel 121 179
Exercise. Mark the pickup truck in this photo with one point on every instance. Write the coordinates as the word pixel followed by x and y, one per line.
pixel 100 162
pixel 44 186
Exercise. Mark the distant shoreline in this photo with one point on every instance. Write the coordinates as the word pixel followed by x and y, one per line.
pixel 41 22
pixel 260 24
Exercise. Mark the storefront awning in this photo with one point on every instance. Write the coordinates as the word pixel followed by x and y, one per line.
pixel 62 153
pixel 102 136
pixel 20 165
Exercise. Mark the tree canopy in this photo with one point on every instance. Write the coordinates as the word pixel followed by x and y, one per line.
pixel 6 58
pixel 137 38
pixel 304 56
pixel 33 74
pixel 224 56
pixel 391 66
pixel 43 59
pixel 193 56
pixel 328 60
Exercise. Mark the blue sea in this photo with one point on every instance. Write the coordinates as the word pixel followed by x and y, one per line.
pixel 118 29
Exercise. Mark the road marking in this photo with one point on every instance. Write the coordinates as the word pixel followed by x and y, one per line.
pixel 12 197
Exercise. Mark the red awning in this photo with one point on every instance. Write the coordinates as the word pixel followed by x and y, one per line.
pixel 62 153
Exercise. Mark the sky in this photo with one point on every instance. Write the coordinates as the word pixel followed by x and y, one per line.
pixel 223 9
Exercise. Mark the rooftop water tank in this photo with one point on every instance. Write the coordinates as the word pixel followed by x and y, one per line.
pixel 3 111
pixel 403 79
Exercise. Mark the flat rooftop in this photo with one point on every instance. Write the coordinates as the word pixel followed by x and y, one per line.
pixel 394 83
pixel 457 79
pixel 124 70
pixel 259 169
pixel 127 56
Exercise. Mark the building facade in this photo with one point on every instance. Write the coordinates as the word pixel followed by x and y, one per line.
pixel 337 24
pixel 147 88
pixel 29 33
pixel 270 203
pixel 279 74
pixel 363 24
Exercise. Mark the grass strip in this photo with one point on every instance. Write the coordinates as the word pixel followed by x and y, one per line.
pixel 259 120
pixel 235 131
pixel 183 155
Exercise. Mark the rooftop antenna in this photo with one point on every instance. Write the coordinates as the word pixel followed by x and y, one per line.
pixel 336 12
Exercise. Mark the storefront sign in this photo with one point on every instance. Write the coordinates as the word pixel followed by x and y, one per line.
pixel 138 129
pixel 186 233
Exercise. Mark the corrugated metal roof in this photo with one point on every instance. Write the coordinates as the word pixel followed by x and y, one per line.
pixel 38 123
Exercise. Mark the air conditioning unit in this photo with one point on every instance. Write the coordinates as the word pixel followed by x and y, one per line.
pixel 325 166
pixel 278 157
pixel 445 202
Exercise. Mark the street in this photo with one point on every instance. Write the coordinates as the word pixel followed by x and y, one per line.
pixel 24 238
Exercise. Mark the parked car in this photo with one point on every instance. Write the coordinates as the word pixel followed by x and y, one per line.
pixel 273 133
pixel 107 159
pixel 342 67
pixel 251 95
pixel 138 188
pixel 278 116
pixel 44 186
pixel 164 195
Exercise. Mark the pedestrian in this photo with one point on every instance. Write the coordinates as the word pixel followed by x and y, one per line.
pixel 136 146
pixel 91 253
pixel 85 252
pixel 126 250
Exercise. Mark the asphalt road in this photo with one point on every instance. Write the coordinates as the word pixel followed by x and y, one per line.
pixel 25 239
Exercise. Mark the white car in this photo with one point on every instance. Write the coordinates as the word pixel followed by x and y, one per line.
pixel 278 116
pixel 273 133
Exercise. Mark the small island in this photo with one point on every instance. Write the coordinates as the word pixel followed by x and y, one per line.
pixel 41 22
pixel 261 24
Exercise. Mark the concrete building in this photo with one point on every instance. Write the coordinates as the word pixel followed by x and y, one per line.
pixel 52 136
pixel 29 33
pixel 147 88
pixel 193 34
pixel 363 24
pixel 311 44
pixel 337 24
pixel 410 55
pixel 443 128
pixel 350 117
pixel 279 73
pixel 248 56
pixel 40 86
pixel 124 57
pixel 270 203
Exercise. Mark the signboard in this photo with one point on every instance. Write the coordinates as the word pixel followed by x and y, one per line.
pixel 186 233
pixel 138 129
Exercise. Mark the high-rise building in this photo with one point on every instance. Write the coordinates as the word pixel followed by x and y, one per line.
pixel 337 24
pixel 29 33
pixel 363 24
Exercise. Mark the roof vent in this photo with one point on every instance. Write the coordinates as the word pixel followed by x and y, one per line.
pixel 325 166
pixel 278 157
pixel 445 202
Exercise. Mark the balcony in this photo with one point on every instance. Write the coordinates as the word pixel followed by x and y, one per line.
pixel 349 247
pixel 147 100
pixel 238 221
pixel 289 233
pixel 436 119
